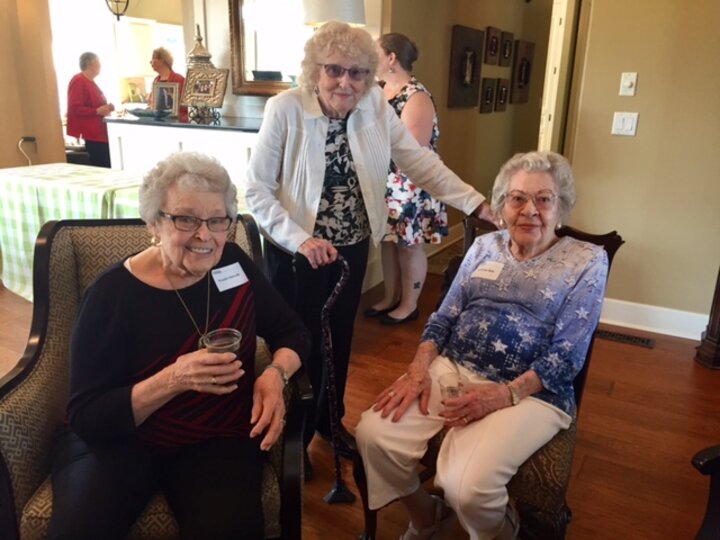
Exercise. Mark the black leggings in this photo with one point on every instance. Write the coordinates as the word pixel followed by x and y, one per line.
pixel 213 488
pixel 306 291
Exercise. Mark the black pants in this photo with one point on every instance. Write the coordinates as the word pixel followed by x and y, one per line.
pixel 213 488
pixel 99 153
pixel 306 290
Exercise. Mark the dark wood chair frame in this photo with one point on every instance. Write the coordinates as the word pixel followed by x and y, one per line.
pixel 532 527
pixel 300 392
pixel 707 461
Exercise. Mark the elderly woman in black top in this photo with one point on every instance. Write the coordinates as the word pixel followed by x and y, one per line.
pixel 150 410
pixel 316 184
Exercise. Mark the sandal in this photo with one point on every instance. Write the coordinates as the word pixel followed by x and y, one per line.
pixel 427 533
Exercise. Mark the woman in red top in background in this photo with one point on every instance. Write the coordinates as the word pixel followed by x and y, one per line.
pixel 86 108
pixel 162 62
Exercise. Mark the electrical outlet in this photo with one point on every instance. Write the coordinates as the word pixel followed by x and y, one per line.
pixel 28 138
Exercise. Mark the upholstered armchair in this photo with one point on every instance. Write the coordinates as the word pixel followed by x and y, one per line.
pixel 540 484
pixel 707 461
pixel 68 256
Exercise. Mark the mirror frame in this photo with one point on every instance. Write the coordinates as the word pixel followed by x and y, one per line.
pixel 240 85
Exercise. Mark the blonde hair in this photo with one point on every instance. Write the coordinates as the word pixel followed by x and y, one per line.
pixel 337 38
pixel 163 54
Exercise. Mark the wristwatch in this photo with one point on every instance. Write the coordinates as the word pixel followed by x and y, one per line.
pixel 514 396
pixel 281 371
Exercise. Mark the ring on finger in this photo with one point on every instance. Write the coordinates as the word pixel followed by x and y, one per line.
pixel 391 393
pixel 465 419
pixel 213 380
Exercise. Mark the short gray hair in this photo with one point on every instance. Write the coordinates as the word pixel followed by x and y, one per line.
pixel 86 59
pixel 549 162
pixel 161 53
pixel 191 171
pixel 340 38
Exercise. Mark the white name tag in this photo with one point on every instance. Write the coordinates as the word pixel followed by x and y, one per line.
pixel 229 276
pixel 488 270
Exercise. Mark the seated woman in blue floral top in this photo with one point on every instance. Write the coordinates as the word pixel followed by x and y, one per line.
pixel 516 323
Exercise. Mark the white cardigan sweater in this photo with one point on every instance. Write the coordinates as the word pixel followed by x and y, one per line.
pixel 287 167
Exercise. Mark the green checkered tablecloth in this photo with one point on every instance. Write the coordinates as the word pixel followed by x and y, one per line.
pixel 31 196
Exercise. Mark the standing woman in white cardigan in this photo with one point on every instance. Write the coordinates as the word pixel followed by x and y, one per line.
pixel 316 185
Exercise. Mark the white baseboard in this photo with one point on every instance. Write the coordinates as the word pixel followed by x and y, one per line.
pixel 660 320
pixel 671 322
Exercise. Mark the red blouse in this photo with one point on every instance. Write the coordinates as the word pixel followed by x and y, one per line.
pixel 84 98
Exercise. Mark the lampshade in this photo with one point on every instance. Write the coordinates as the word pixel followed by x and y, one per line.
pixel 318 12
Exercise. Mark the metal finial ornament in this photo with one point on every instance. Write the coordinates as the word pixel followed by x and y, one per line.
pixel 117 7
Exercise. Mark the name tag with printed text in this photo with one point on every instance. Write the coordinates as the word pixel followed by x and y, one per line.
pixel 488 270
pixel 229 276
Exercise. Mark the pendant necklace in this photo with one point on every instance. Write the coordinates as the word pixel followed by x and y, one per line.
pixel 187 310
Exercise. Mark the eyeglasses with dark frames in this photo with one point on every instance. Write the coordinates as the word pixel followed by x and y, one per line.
pixel 336 71
pixel 543 200
pixel 192 223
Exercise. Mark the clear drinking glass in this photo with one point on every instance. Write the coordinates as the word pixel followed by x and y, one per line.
pixel 452 385
pixel 221 340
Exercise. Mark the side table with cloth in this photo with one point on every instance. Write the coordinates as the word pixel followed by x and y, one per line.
pixel 31 196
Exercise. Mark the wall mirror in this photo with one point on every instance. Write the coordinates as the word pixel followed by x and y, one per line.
pixel 266 45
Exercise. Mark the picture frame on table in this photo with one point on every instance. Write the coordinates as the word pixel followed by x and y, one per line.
pixel 205 87
pixel 166 97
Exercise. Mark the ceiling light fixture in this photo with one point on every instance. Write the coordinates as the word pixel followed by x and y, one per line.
pixel 117 7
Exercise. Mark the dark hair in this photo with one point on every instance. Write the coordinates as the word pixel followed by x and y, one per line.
pixel 405 50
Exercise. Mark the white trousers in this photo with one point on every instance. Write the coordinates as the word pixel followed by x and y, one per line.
pixel 475 463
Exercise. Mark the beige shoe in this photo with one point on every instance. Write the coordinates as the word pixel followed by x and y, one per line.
pixel 444 515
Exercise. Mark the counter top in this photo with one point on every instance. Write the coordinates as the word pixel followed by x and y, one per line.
pixel 231 123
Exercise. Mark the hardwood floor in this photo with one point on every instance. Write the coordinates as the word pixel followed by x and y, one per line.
pixel 645 413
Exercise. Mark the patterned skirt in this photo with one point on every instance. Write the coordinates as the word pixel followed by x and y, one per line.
pixel 414 217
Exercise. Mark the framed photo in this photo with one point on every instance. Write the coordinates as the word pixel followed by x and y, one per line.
pixel 205 87
pixel 487 95
pixel 506 48
pixel 166 97
pixel 522 71
pixel 465 62
pixel 492 47
pixel 502 94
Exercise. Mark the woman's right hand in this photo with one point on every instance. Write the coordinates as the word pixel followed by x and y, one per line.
pixel 415 384
pixel 203 371
pixel 318 252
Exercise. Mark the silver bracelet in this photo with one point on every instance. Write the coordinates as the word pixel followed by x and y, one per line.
pixel 281 371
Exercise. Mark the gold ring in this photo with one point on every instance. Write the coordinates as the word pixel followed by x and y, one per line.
pixel 465 419
pixel 212 380
pixel 391 393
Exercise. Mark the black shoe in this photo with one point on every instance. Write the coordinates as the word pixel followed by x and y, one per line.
pixel 371 312
pixel 387 319
pixel 347 447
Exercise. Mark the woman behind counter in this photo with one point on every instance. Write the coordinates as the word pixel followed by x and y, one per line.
pixel 414 218
pixel 150 411
pixel 87 107
pixel 316 184
pixel 162 63
pixel 516 323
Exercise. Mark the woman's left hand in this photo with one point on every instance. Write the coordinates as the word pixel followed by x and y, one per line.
pixel 475 404
pixel 268 412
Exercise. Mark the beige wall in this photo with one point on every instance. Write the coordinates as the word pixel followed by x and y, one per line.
pixel 475 145
pixel 167 11
pixel 28 92
pixel 660 189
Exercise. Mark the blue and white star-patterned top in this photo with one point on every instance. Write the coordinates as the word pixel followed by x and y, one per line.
pixel 537 314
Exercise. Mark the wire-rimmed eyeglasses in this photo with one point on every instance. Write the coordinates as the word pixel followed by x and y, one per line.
pixel 543 200
pixel 336 71
pixel 192 223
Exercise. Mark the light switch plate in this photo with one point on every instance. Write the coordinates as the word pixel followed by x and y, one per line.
pixel 628 83
pixel 624 123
